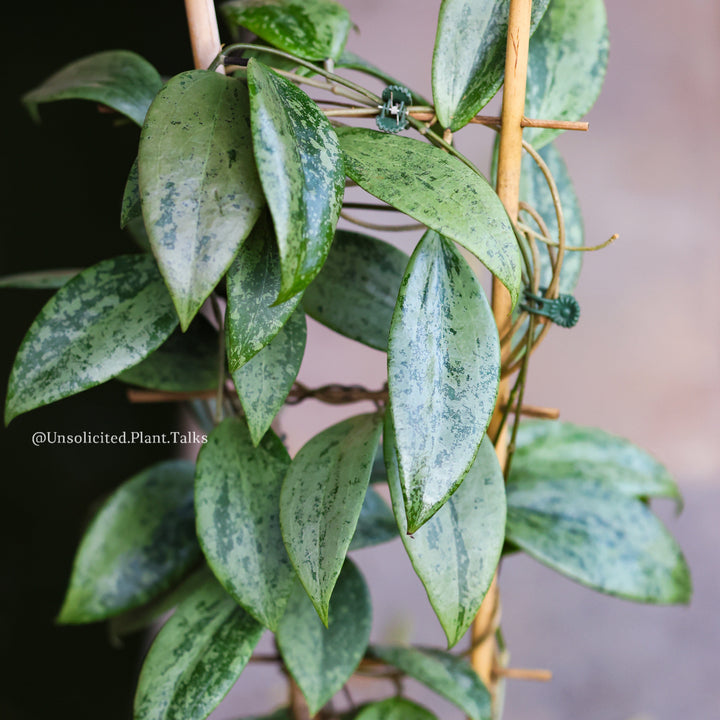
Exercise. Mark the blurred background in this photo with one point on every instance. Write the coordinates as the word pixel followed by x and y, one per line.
pixel 644 363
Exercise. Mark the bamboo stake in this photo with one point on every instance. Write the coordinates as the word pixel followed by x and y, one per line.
pixel 204 33
pixel 484 654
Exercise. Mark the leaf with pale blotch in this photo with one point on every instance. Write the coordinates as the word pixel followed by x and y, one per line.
pixel 185 362
pixel 395 708
pixel 131 206
pixel 356 291
pixel 469 56
pixel 456 552
pixel 554 450
pixel 376 523
pixel 443 375
pixel 119 79
pixel 199 186
pixel 321 501
pixel 237 492
pixel 322 659
pixel 196 657
pixel 141 542
pixel 301 170
pixel 103 321
pixel 598 536
pixel 141 618
pixel 253 284
pixel 439 191
pixel 263 383
pixel 448 675
pixel 39 280
pixel 566 65
pixel 310 29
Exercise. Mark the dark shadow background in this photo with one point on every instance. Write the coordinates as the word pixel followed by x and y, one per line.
pixel 62 183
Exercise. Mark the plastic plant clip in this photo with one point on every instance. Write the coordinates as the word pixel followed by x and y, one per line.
pixel 393 113
pixel 563 310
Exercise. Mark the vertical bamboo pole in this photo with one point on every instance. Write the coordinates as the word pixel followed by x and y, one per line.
pixel 484 655
pixel 204 34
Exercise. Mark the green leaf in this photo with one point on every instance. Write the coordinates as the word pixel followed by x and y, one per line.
pixel 186 362
pixel 141 618
pixel 137 546
pixel 103 321
pixel 437 190
pixel 131 207
pixel 456 552
pixel 119 79
pixel 237 492
pixel 448 675
pixel 39 280
pixel 395 708
pixel 376 523
pixel 356 291
pixel 253 284
pixel 264 382
pixel 321 500
pixel 310 29
pixel 443 375
pixel 196 658
pixel 322 659
pixel 559 450
pixel 469 56
pixel 200 191
pixel 567 63
pixel 598 536
pixel 301 170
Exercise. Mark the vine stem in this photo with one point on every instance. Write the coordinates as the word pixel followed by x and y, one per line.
pixel 484 657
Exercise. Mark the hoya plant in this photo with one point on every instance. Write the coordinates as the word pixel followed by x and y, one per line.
pixel 244 167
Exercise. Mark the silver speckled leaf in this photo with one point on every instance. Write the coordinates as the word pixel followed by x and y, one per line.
pixel 253 284
pixel 321 659
pixel 196 657
pixel 321 501
pixel 439 191
pixel 103 321
pixel 237 493
pixel 263 383
pixel 469 56
pixel 310 29
pixel 567 63
pixel 455 553
pixel 301 170
pixel 448 675
pixel 120 79
pixel 199 186
pixel 140 542
pixel 597 536
pixel 443 375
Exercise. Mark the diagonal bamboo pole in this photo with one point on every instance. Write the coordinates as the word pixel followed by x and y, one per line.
pixel 484 655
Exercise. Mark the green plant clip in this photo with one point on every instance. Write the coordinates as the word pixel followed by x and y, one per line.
pixel 563 310
pixel 393 113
